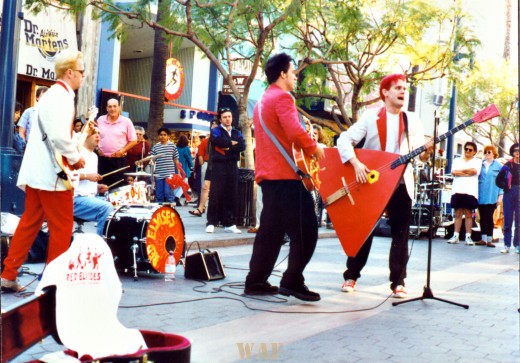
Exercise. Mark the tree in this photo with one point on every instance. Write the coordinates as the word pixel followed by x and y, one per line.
pixel 348 46
pixel 481 88
pixel 225 31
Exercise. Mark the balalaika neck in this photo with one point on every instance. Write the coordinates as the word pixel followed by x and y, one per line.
pixel 404 158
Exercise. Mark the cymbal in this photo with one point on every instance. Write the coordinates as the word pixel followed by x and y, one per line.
pixel 138 173
pixel 148 158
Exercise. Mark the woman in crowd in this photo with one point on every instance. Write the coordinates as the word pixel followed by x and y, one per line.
pixel 465 171
pixel 509 180
pixel 489 195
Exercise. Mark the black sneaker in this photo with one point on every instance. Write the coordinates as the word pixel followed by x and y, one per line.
pixel 261 289
pixel 301 292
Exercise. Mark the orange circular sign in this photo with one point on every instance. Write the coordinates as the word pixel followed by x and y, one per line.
pixel 165 233
pixel 174 79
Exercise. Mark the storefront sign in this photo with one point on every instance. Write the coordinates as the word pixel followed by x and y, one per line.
pixel 42 38
pixel 240 82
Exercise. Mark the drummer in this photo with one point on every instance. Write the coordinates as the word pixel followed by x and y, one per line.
pixel 86 205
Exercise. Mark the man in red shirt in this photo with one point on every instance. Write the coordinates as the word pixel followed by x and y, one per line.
pixel 288 206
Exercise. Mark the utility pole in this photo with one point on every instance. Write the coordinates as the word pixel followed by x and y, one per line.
pixel 12 198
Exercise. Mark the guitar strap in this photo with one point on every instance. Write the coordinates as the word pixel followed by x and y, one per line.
pixel 61 174
pixel 280 148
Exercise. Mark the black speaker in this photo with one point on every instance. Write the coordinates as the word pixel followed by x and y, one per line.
pixel 204 266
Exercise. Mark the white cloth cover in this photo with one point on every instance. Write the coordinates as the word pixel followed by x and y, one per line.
pixel 87 296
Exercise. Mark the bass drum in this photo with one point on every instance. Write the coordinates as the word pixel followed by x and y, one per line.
pixel 148 231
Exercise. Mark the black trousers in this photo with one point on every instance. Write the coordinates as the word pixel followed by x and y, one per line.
pixel 486 219
pixel 399 209
pixel 288 208
pixel 106 165
pixel 223 193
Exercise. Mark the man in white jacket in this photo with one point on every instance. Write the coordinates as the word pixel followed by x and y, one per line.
pixel 46 194
pixel 386 129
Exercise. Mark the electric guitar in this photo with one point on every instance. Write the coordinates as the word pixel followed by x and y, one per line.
pixel 355 208
pixel 68 176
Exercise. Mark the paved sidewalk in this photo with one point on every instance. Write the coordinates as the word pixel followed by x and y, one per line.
pixel 225 326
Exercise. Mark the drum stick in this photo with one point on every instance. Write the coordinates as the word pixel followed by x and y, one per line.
pixel 117 182
pixel 115 171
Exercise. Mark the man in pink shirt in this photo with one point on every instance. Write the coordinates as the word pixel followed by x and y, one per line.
pixel 288 206
pixel 117 137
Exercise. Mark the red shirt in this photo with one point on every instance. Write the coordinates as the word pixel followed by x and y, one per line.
pixel 203 149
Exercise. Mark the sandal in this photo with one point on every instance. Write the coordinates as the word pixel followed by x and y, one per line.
pixel 197 212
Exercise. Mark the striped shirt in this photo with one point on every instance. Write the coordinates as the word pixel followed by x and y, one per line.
pixel 165 165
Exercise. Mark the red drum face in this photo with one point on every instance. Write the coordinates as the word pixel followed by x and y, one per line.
pixel 165 233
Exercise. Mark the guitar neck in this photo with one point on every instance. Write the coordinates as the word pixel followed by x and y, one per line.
pixel 405 158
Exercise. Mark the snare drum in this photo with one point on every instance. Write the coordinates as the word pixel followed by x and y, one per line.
pixel 129 194
pixel 150 231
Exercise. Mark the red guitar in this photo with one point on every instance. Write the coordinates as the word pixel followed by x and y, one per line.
pixel 355 208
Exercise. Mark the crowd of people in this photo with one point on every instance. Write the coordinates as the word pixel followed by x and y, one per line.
pixel 484 185
pixel 114 150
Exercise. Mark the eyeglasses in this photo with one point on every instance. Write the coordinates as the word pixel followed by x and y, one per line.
pixel 468 150
pixel 82 71
pixel 488 152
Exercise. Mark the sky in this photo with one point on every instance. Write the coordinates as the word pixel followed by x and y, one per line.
pixel 489 25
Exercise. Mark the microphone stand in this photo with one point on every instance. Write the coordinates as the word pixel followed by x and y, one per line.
pixel 427 291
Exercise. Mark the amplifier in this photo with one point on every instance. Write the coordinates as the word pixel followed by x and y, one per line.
pixel 204 266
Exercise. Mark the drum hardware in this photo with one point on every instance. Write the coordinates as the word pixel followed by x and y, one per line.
pixel 134 252
pixel 148 158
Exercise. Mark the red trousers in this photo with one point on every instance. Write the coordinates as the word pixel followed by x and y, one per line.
pixel 58 209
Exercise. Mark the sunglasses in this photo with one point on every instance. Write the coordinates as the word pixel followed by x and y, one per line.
pixel 82 71
pixel 515 150
pixel 469 150
pixel 225 109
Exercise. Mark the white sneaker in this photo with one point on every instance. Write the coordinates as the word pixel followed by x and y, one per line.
pixel 505 250
pixel 469 241
pixel 453 240
pixel 210 228
pixel 348 285
pixel 400 292
pixel 232 229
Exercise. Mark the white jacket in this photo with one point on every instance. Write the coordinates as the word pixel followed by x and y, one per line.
pixel 56 109
pixel 366 127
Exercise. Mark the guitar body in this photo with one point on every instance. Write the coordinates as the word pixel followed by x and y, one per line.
pixel 309 166
pixel 354 222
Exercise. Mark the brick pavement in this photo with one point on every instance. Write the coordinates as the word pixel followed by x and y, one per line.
pixel 361 326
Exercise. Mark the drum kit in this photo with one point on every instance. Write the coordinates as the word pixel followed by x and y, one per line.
pixel 141 233
pixel 437 192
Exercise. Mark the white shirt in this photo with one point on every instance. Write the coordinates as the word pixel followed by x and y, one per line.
pixel 56 110
pixel 466 184
pixel 86 187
